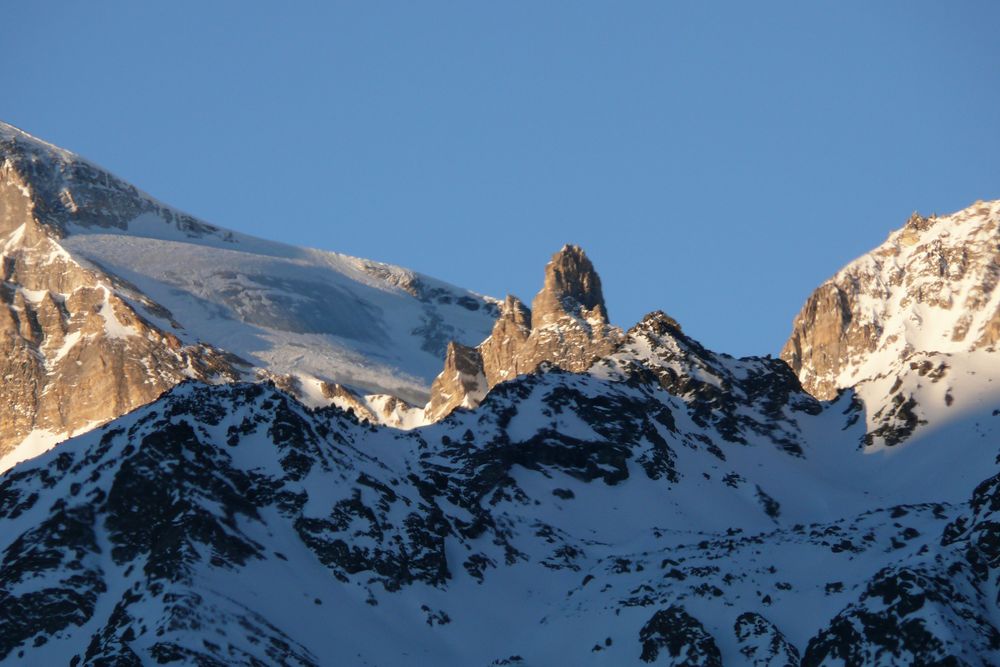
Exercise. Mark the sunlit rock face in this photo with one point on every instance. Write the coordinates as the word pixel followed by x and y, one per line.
pixel 73 351
pixel 501 351
pixel 569 321
pixel 462 383
pixel 572 288
pixel 109 297
pixel 567 327
pixel 608 497
pixel 930 288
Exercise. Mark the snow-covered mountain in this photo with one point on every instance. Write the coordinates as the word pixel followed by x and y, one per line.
pixel 584 495
pixel 911 328
pixel 643 500
pixel 109 297
pixel 930 288
pixel 719 516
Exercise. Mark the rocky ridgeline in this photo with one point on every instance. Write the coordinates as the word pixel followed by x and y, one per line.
pixel 109 297
pixel 567 328
pixel 930 288
pixel 618 516
pixel 73 350
pixel 615 497
pixel 64 190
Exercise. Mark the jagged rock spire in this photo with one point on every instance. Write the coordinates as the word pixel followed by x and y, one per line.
pixel 514 311
pixel 567 327
pixel 510 333
pixel 572 287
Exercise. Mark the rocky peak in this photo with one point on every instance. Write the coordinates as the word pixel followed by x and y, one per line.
pixel 510 333
pixel 462 383
pixel 572 287
pixel 74 349
pixel 67 192
pixel 930 288
pixel 80 343
pixel 566 328
pixel 657 323
pixel 515 312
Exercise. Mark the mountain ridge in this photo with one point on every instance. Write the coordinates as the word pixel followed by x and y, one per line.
pixel 307 318
pixel 585 495
pixel 929 288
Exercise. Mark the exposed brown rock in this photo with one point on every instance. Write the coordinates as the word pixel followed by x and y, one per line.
pixel 569 321
pixel 572 288
pixel 73 350
pixel 824 338
pixel 461 383
pixel 82 345
pixel 931 287
pixel 567 328
pixel 373 408
pixel 346 399
pixel 510 334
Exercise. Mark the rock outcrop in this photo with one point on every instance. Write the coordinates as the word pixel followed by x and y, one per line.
pixel 108 297
pixel 572 288
pixel 569 321
pixel 567 327
pixel 510 335
pixel 74 351
pixel 684 640
pixel 930 288
pixel 762 644
pixel 462 383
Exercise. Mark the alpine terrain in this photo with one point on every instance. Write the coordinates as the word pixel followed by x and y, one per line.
pixel 272 471
pixel 109 297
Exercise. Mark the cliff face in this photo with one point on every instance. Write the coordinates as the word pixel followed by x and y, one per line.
pixel 108 297
pixel 567 328
pixel 930 288
pixel 569 321
pixel 572 289
pixel 73 350
pixel 462 383
pixel 500 352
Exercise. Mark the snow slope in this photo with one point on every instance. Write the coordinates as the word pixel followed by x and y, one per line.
pixel 171 289
pixel 669 505
pixel 374 326
pixel 930 288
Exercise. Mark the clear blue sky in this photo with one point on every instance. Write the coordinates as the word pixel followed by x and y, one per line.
pixel 716 160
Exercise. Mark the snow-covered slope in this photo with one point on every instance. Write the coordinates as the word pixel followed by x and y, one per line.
pixel 911 328
pixel 661 503
pixel 307 318
pixel 670 505
pixel 310 313
pixel 930 288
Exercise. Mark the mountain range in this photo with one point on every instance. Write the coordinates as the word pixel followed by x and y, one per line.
pixel 287 456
